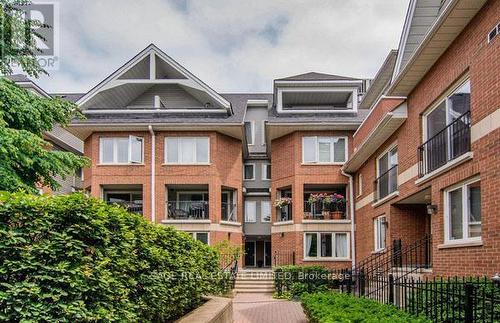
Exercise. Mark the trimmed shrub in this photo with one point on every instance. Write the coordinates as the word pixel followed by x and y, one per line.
pixel 292 281
pixel 73 258
pixel 329 307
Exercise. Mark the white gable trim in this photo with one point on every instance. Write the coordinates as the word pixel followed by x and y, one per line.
pixel 404 37
pixel 192 81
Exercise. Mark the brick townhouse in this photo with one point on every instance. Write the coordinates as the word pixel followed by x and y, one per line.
pixel 323 169
pixel 426 159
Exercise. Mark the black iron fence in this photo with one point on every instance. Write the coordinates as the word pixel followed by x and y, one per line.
pixel 386 183
pixel 451 142
pixel 323 211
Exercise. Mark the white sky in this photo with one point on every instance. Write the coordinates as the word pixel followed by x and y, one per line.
pixel 232 45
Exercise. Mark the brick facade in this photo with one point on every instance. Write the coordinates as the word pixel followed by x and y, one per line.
pixel 470 54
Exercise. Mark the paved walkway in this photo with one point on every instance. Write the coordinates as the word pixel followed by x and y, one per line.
pixel 262 308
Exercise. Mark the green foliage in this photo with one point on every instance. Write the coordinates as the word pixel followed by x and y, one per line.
pixel 292 281
pixel 27 159
pixel 329 307
pixel 446 296
pixel 226 249
pixel 18 41
pixel 73 258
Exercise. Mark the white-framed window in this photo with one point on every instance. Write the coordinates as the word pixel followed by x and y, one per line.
pixel 187 150
pixel 121 150
pixel 324 150
pixel 462 212
pixel 250 211
pixel 379 233
pixel 250 132
pixel 249 172
pixel 387 172
pixel 360 184
pixel 266 172
pixel 265 211
pixel 200 236
pixel 443 142
pixel 326 245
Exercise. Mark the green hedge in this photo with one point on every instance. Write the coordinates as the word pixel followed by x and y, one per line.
pixel 292 281
pixel 73 258
pixel 329 307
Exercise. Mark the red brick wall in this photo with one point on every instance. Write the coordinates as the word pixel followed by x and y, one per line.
pixel 469 53
pixel 225 170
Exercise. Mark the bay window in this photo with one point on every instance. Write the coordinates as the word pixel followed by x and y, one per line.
pixel 462 212
pixel 326 245
pixel 121 150
pixel 187 150
pixel 326 150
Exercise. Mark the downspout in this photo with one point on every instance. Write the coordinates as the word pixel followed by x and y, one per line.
pixel 153 158
pixel 351 209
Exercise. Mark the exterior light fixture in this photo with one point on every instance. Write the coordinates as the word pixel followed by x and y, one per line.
pixel 431 209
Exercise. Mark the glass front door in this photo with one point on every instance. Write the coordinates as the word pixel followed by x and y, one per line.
pixel 250 253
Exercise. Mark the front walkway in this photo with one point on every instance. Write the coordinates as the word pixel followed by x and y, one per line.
pixel 262 308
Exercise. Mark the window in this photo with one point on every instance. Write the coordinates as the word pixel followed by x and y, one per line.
pixel 325 150
pixel 447 129
pixel 379 233
pixel 200 236
pixel 250 211
pixel 360 184
pixel 249 172
pixel 265 211
pixel 462 211
pixel 250 132
pixel 266 172
pixel 326 245
pixel 187 150
pixel 121 150
pixel 387 173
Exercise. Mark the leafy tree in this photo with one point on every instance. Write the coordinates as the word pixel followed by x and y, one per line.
pixel 17 39
pixel 26 158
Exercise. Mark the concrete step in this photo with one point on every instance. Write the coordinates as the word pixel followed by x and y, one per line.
pixel 255 281
pixel 254 290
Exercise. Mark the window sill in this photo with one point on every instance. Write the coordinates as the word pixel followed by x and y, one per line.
pixel 326 221
pixel 121 164
pixel 454 163
pixel 236 224
pixel 323 164
pixel 385 199
pixel 325 259
pixel 376 252
pixel 283 222
pixel 461 244
pixel 176 164
pixel 172 221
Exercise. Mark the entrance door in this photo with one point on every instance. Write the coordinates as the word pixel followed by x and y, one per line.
pixel 250 253
pixel 267 253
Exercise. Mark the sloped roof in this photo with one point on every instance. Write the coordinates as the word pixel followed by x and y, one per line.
pixel 18 78
pixel 71 97
pixel 380 82
pixel 315 76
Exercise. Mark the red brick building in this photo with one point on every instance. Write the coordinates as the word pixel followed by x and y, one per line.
pixel 326 169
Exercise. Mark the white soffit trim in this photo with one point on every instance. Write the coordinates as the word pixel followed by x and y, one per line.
pixel 257 103
pixel 380 133
pixel 150 51
pixel 435 43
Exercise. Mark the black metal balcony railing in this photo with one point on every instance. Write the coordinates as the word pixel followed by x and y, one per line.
pixel 285 213
pixel 189 210
pixel 386 183
pixel 129 206
pixel 448 144
pixel 317 210
pixel 229 212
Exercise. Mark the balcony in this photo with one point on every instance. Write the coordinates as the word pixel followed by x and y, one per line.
pixel 187 210
pixel 127 196
pixel 386 184
pixel 325 202
pixel 447 145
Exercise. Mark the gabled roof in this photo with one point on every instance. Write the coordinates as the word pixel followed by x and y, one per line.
pixel 71 97
pixel 142 71
pixel 314 76
pixel 18 78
